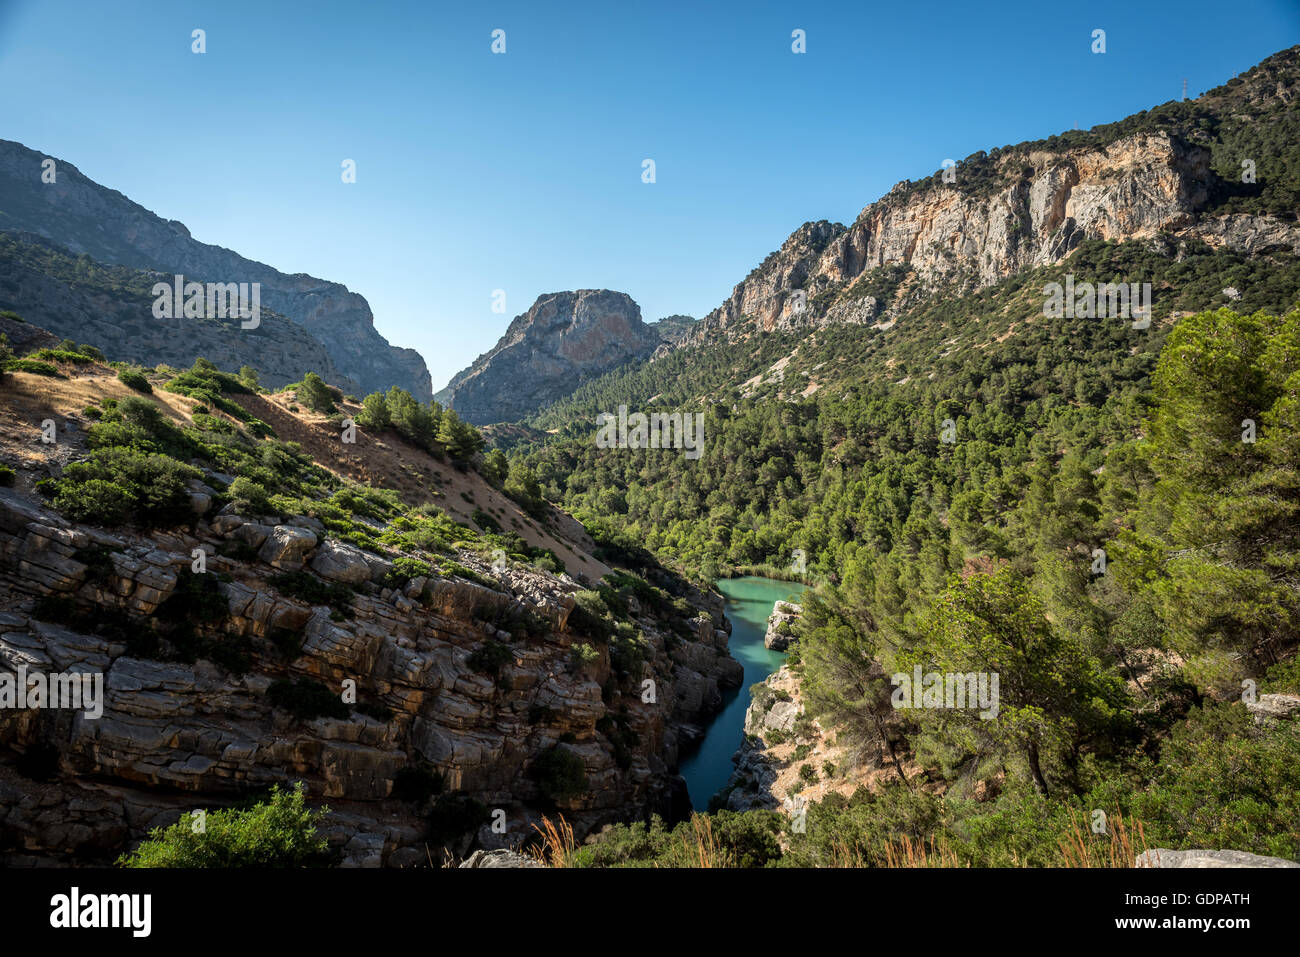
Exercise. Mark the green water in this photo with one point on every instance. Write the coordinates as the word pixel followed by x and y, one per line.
pixel 749 602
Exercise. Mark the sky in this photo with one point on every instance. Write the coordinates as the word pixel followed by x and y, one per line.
pixel 522 171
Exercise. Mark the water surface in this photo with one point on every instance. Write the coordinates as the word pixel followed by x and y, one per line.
pixel 749 602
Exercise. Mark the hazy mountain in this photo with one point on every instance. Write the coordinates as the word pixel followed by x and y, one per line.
pixel 83 217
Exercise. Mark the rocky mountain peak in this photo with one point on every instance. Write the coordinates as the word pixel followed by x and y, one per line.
pixel 564 339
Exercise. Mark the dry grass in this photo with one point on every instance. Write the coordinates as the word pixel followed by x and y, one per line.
pixel 1118 847
pixel 928 852
pixel 706 851
pixel 558 847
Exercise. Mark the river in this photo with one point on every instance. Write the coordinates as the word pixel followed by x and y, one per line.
pixel 749 602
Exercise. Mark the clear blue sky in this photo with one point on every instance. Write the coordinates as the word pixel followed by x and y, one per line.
pixel 523 171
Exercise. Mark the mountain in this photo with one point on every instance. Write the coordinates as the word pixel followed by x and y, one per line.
pixel 111 307
pixel 1175 171
pixel 85 218
pixel 674 329
pixel 563 340
pixel 963 475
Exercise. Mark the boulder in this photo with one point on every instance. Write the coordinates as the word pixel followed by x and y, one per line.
pixel 499 858
pixel 1269 709
pixel 778 638
pixel 286 547
pixel 341 563
pixel 1163 857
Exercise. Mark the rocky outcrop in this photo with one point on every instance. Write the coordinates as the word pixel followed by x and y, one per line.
pixel 565 339
pixel 78 214
pixel 500 858
pixel 753 782
pixel 1163 857
pixel 1017 208
pixel 180 733
pixel 779 636
pixel 1273 709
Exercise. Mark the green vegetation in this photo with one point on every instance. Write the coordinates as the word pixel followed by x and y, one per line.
pixel 431 427
pixel 278 832
pixel 306 699
pixel 135 379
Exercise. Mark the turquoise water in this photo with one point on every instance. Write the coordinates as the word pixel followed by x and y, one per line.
pixel 749 602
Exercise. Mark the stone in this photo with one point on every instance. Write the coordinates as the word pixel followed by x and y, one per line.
pixel 784 614
pixel 501 857
pixel 341 563
pixel 1163 857
pixel 286 547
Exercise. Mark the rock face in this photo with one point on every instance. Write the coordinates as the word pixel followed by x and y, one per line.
pixel 1272 709
pixel 752 782
pixel 784 614
pixel 112 308
pixel 177 734
pixel 79 215
pixel 1162 857
pixel 1022 207
pixel 565 339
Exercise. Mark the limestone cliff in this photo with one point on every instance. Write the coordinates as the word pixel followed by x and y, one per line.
pixel 1033 204
pixel 563 340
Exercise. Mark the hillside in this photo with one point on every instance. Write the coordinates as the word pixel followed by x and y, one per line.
pixel 79 217
pixel 497 663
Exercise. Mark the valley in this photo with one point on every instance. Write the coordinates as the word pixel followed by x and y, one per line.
pixel 1019 442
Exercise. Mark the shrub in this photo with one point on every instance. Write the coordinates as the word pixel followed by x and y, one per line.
pixel 34 367
pixel 115 484
pixel 249 497
pixel 306 699
pixel 279 832
pixel 490 657
pixel 312 590
pixel 559 773
pixel 314 393
pixel 135 380
pixel 403 570
pixel 485 521
pixel 62 355
pixel 374 412
pixel 95 500
pixel 6 476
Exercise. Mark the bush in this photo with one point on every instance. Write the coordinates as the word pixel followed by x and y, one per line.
pixel 559 773
pixel 116 484
pixel 314 393
pixel 6 476
pixel 312 590
pixel 34 367
pixel 490 657
pixel 135 380
pixel 280 832
pixel 95 500
pixel 306 699
pixel 249 497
